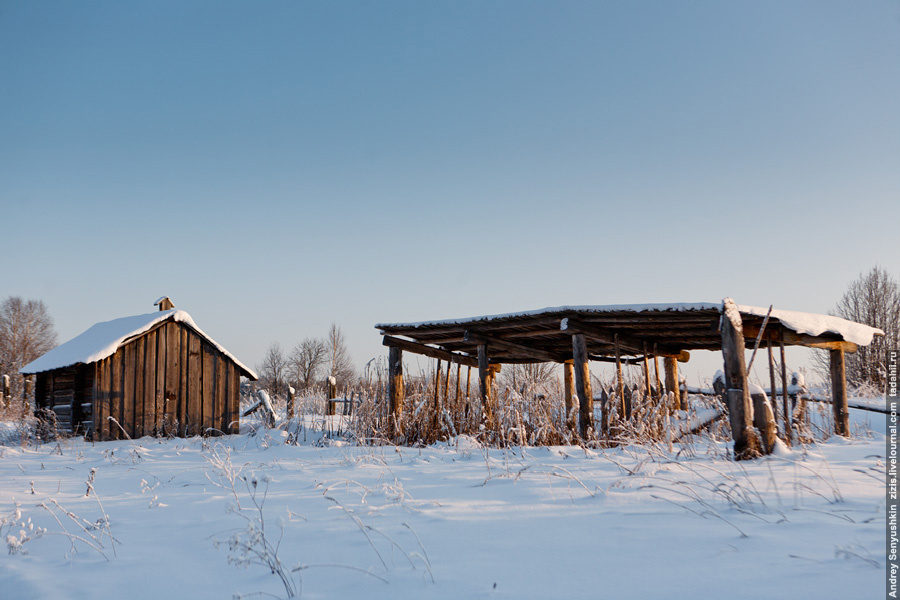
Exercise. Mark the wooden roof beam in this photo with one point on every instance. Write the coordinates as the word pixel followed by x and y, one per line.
pixel 476 337
pixel 792 338
pixel 627 344
pixel 572 325
pixel 430 351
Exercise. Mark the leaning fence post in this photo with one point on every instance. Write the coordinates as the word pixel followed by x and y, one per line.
pixel 4 391
pixel 26 390
pixel 290 402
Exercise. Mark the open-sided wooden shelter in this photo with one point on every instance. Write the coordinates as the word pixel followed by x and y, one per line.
pixel 576 335
pixel 149 374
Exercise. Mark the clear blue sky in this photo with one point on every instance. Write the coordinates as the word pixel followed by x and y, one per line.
pixel 278 166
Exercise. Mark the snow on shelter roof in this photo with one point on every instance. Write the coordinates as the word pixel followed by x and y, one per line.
pixel 650 322
pixel 103 339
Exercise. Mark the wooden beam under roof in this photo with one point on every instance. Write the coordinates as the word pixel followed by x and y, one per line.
pixel 792 338
pixel 479 338
pixel 430 351
pixel 627 344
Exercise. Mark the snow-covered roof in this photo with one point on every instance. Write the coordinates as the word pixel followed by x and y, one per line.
pixel 803 323
pixel 103 339
pixel 575 308
pixel 816 324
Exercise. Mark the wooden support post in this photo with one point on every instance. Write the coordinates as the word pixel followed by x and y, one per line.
pixel 437 383
pixel 583 384
pixel 774 397
pixel 788 410
pixel 456 401
pixel 468 402
pixel 395 388
pixel 436 417
pixel 737 391
pixel 447 385
pixel 839 393
pixel 569 389
pixel 624 409
pixel 604 412
pixel 671 365
pixel 647 390
pixel 656 367
pixel 484 381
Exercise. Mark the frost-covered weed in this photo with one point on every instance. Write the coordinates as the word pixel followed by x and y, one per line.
pixel 251 545
pixel 16 540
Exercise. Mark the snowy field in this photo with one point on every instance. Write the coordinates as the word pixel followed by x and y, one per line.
pixel 195 518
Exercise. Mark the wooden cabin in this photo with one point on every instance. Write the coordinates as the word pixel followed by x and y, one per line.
pixel 152 374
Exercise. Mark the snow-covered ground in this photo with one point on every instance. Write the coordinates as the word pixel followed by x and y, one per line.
pixel 448 521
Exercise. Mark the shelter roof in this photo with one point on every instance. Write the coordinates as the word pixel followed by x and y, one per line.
pixel 544 335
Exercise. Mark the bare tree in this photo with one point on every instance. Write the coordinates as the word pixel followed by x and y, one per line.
pixel 340 365
pixel 26 333
pixel 536 377
pixel 272 369
pixel 873 299
pixel 306 360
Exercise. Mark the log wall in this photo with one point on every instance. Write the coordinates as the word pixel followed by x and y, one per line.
pixel 67 394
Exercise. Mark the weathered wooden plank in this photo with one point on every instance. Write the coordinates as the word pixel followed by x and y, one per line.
pixel 115 394
pixel 64 396
pixel 140 346
pixel 101 399
pixel 230 406
pixel 148 414
pixel 235 423
pixel 221 402
pixel 839 393
pixel 127 419
pixel 569 390
pixel 172 376
pixel 183 352
pixel 160 398
pixel 209 377
pixel 195 385
pixel 583 385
